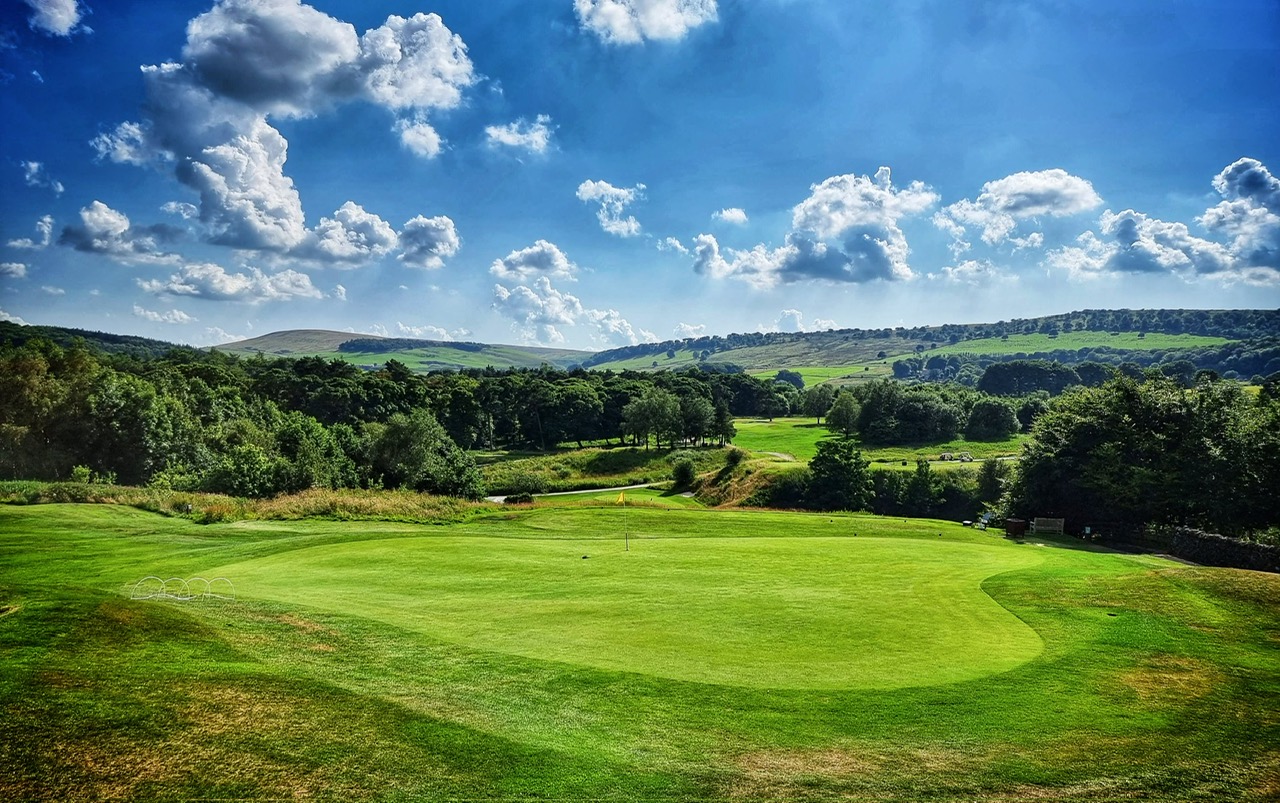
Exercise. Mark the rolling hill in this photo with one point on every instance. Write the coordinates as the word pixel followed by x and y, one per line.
pixel 418 355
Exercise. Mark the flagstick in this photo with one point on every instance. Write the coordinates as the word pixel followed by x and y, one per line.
pixel 626 533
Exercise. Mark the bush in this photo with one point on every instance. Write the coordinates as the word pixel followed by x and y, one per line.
pixel 518 499
pixel 735 456
pixel 683 473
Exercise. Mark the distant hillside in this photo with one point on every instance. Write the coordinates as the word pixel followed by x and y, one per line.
pixel 418 355
pixel 18 334
pixel 856 348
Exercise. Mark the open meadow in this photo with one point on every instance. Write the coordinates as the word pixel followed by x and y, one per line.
pixel 798 437
pixel 527 653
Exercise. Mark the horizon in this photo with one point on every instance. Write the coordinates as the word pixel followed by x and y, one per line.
pixel 590 174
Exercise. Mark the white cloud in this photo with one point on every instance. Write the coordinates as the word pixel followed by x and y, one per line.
pixel 540 312
pixel 1004 202
pixel 790 320
pixel 613 203
pixel 56 17
pixel 173 316
pixel 1139 244
pixel 349 239
pixel 415 63
pixel 732 215
pixel 182 209
pixel 427 242
pixel 4 316
pixel 633 21
pixel 103 230
pixel 245 60
pixel 209 281
pixel 672 244
pixel 846 231
pixel 431 332
pixel 419 137
pixel 684 330
pixel 823 324
pixel 542 259
pixel 534 137
pixel 339 292
pixel 220 336
pixel 13 270
pixel 35 175
pixel 1249 214
pixel 972 272
pixel 53 291
pixel 44 233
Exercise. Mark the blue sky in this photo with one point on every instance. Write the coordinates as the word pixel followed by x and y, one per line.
pixel 594 173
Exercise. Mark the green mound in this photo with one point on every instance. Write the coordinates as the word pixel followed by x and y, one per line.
pixel 823 613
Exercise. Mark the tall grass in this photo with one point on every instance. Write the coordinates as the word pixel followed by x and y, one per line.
pixel 343 504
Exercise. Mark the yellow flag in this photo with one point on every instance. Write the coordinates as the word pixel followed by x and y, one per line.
pixel 621 501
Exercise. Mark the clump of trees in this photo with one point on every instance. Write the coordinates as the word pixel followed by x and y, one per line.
pixel 1143 452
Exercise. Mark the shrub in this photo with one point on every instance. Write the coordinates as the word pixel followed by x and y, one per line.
pixel 683 473
pixel 518 499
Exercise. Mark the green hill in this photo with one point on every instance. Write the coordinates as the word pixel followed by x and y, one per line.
pixel 418 355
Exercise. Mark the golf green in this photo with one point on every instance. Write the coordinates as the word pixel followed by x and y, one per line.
pixel 761 611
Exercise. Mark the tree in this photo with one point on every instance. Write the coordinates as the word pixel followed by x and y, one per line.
pixel 839 478
pixel 842 418
pixel 991 420
pixel 791 378
pixel 413 451
pixel 818 400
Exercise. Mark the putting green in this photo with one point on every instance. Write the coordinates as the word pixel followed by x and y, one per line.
pixel 765 612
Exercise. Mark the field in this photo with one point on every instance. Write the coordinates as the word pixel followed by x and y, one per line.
pixel 798 437
pixel 1030 344
pixel 525 654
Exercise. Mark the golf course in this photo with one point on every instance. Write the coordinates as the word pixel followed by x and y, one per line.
pixel 592 651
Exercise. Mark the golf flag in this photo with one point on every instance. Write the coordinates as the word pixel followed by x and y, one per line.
pixel 621 501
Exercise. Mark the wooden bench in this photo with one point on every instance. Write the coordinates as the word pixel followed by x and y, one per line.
pixel 1041 525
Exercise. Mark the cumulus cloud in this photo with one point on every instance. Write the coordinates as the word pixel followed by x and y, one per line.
pixel 35 175
pixel 672 244
pixel 846 231
pixel 684 330
pixel 349 239
pixel 1135 243
pixel 13 270
pixel 429 332
pixel 790 320
pixel 4 316
pixel 732 215
pixel 103 230
pixel 1249 214
pixel 613 202
pixel 539 312
pixel 173 316
pixel 542 259
pixel 1020 196
pixel 419 137
pixel 534 137
pixel 53 291
pixel 427 242
pixel 44 233
pixel 55 17
pixel 182 209
pixel 217 336
pixel 339 292
pixel 210 281
pixel 633 21
pixel 247 60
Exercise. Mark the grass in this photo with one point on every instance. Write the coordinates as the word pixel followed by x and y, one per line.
pixel 1030 344
pixel 799 437
pixel 727 656
pixel 586 469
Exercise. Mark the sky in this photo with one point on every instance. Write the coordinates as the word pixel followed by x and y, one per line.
pixel 596 173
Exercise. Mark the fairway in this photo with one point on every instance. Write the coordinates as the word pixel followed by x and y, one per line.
pixel 727 656
pixel 830 613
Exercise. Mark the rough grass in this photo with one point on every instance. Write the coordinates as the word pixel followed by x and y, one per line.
pixel 342 504
pixel 587 469
pixel 1156 681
